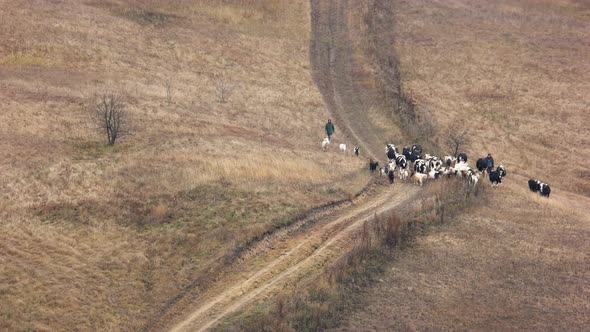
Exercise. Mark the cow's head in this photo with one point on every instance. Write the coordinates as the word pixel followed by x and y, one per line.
pixel 501 171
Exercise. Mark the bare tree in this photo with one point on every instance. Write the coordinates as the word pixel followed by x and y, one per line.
pixel 109 112
pixel 223 91
pixel 456 139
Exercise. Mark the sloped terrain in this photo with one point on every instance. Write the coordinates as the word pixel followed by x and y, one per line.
pixel 107 238
pixel 515 75
pixel 101 238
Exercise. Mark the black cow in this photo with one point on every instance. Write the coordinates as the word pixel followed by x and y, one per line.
pixel 544 190
pixel 407 152
pixel 356 151
pixel 390 176
pixel 415 155
pixel 434 163
pixel 534 185
pixel 417 148
pixel 401 161
pixel 391 154
pixel 497 175
pixel 462 158
pixel 373 165
pixel 481 164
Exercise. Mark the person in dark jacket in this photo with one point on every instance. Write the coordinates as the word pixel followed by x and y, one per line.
pixel 330 129
pixel 490 162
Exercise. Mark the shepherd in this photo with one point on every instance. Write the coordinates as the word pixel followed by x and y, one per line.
pixel 330 129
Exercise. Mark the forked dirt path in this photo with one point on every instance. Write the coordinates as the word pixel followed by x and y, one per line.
pixel 299 252
pixel 287 260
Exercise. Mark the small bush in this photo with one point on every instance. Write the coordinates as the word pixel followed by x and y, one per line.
pixel 110 116
pixel 224 91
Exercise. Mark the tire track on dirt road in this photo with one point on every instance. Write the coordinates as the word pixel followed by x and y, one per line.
pixel 339 71
pixel 299 252
pixel 300 260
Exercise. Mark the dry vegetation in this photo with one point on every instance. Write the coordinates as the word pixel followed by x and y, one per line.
pixel 99 238
pixel 515 72
pixel 516 75
pixel 323 302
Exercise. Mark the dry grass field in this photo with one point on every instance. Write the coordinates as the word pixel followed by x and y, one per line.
pixel 516 74
pixel 100 238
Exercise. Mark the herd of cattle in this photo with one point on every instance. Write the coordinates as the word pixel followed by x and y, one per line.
pixel 428 167
pixel 424 167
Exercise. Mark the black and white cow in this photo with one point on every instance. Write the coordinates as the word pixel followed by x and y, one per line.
pixel 449 160
pixel 461 169
pixel 434 163
pixel 383 171
pixel 356 151
pixel 497 175
pixel 401 161
pixel 434 174
pixel 472 177
pixel 420 166
pixel 448 171
pixel 534 185
pixel 544 190
pixel 481 164
pixel 390 151
pixel 462 157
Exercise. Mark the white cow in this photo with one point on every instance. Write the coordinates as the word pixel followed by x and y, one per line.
pixel 403 174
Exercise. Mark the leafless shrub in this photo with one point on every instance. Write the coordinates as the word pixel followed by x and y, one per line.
pixel 224 91
pixel 110 116
pixel 456 139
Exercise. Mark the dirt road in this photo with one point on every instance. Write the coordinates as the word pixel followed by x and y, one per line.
pixel 348 75
pixel 286 260
pixel 300 251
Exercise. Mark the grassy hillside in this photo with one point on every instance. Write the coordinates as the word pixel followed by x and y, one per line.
pixel 515 74
pixel 99 238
